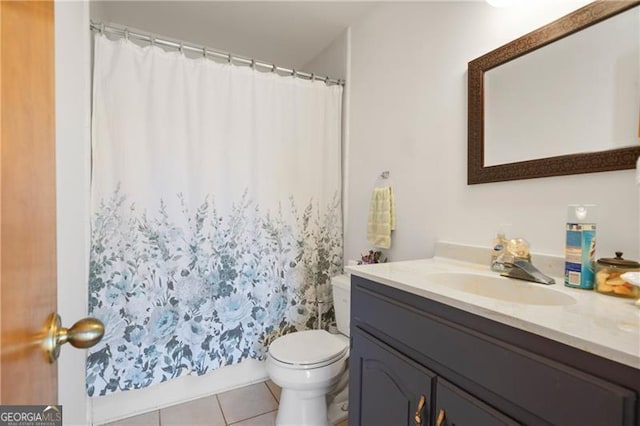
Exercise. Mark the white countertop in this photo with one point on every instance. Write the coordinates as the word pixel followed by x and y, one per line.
pixel 599 324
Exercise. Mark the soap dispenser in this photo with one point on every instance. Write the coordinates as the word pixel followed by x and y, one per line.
pixel 498 246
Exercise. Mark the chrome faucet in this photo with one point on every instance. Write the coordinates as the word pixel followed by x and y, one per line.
pixel 522 269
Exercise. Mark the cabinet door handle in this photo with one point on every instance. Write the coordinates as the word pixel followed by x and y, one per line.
pixel 440 419
pixel 418 416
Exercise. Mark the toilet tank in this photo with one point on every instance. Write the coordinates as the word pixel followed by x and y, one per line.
pixel 342 302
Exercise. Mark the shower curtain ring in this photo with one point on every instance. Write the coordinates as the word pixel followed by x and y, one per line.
pixel 102 28
pixel 126 34
pixel 181 48
pixel 294 73
pixel 153 41
pixel 253 64
pixel 326 80
pixel 204 52
pixel 273 68
pixel 313 77
pixel 228 58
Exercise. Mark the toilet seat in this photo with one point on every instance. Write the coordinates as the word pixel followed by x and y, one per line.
pixel 308 349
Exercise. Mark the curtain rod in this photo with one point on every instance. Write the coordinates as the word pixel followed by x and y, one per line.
pixel 206 51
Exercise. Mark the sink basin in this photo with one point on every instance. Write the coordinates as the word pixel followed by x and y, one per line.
pixel 501 288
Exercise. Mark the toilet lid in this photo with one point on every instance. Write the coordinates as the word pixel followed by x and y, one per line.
pixel 307 347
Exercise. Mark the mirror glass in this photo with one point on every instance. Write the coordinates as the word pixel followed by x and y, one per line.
pixel 563 99
pixel 579 94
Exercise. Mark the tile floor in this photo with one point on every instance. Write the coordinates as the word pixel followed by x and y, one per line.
pixel 253 405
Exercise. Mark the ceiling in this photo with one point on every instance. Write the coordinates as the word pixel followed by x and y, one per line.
pixel 289 34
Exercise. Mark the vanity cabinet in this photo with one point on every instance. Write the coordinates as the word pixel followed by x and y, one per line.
pixel 402 386
pixel 399 391
pixel 472 370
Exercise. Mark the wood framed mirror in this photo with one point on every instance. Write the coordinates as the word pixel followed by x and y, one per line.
pixel 502 147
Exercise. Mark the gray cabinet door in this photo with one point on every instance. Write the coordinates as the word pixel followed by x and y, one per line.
pixel 455 407
pixel 386 387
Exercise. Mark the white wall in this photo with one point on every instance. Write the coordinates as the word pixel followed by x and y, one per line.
pixel 332 61
pixel 73 88
pixel 408 115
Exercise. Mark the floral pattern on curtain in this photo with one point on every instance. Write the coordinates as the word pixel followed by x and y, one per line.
pixel 208 240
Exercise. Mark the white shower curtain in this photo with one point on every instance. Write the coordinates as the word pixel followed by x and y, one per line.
pixel 216 212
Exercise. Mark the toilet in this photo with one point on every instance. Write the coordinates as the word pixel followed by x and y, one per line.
pixel 311 368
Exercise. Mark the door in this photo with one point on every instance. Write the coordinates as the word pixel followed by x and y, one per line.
pixel 455 407
pixel 386 387
pixel 27 201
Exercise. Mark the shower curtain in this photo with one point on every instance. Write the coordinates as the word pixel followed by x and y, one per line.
pixel 216 212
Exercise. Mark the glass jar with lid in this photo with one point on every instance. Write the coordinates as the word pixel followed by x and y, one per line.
pixel 608 276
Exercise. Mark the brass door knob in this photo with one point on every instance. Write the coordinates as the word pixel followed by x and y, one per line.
pixel 83 334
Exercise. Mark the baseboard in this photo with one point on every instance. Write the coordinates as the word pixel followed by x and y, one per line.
pixel 105 409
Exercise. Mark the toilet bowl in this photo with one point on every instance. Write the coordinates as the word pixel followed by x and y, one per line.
pixel 308 365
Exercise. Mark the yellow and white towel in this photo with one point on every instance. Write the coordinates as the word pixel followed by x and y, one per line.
pixel 382 217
